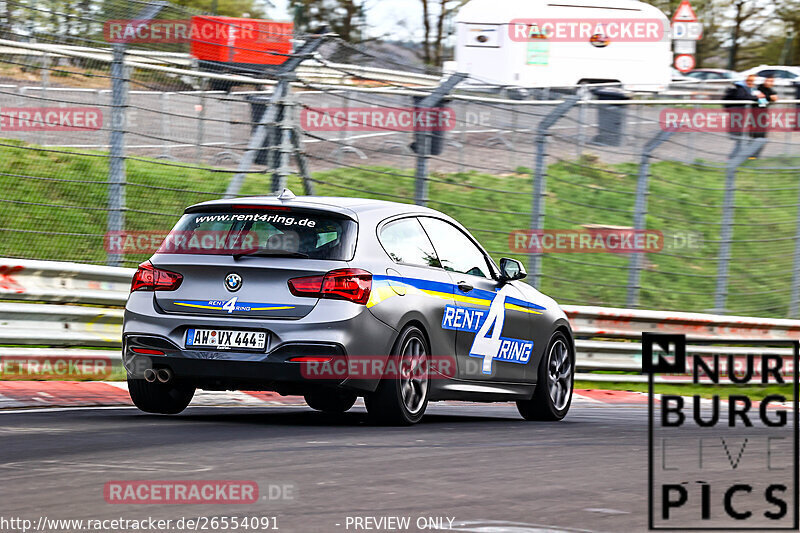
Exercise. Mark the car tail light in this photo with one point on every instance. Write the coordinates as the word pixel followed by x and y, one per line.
pixel 150 278
pixel 351 284
pixel 310 359
pixel 147 351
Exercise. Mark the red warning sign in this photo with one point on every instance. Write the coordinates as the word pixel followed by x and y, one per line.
pixel 684 13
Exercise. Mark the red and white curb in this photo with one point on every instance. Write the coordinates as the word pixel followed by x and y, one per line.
pixel 27 394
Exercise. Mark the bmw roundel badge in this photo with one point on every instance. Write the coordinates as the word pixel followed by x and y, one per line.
pixel 233 282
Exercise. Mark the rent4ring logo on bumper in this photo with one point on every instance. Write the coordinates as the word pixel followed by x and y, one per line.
pixel 724 454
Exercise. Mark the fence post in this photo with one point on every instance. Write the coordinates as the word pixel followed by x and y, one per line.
pixel 640 214
pixel 258 137
pixel 164 101
pixel 284 148
pixel 302 163
pixel 201 123
pixel 512 154
pixel 540 180
pixel 45 69
pixel 424 148
pixel 794 304
pixel 582 93
pixel 116 162
pixel 741 152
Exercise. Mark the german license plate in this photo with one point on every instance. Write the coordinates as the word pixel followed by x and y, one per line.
pixel 226 339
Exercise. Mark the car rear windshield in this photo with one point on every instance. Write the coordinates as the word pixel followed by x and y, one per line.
pixel 264 231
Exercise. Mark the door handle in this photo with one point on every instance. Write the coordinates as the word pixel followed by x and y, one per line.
pixel 464 286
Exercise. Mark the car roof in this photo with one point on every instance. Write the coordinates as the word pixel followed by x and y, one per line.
pixel 790 68
pixel 339 204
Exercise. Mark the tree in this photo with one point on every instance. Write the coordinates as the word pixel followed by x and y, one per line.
pixel 434 24
pixel 743 25
pixel 81 21
pixel 226 8
pixel 788 12
pixel 344 17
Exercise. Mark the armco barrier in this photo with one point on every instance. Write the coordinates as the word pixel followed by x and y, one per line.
pixel 83 308
pixel 51 281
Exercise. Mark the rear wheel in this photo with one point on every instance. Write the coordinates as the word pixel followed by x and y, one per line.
pixel 402 399
pixel 553 394
pixel 160 398
pixel 331 401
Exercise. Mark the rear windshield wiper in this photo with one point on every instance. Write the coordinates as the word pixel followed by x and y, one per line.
pixel 270 253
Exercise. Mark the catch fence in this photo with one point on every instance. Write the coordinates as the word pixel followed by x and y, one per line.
pixel 170 131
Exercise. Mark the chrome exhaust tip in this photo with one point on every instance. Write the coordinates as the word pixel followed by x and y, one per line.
pixel 150 375
pixel 164 375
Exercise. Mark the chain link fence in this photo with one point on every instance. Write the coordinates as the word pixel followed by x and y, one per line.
pixel 101 138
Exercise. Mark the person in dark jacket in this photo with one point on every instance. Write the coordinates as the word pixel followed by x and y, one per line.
pixel 770 96
pixel 741 90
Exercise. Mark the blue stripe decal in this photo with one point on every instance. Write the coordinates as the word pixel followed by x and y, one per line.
pixel 450 288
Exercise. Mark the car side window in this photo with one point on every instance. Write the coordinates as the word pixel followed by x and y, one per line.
pixel 456 251
pixel 406 242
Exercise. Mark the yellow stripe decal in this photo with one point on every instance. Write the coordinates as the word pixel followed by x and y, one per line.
pixel 515 307
pixel 198 306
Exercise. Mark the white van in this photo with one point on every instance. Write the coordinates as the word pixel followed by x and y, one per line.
pixel 562 43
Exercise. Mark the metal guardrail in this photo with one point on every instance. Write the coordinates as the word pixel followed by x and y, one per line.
pixel 606 338
pixel 57 282
pixel 311 70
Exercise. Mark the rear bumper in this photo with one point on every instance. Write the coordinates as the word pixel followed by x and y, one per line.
pixel 333 328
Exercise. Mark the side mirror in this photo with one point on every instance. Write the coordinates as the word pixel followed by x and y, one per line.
pixel 511 269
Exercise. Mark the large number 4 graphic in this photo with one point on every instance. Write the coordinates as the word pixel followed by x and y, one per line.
pixel 230 305
pixel 485 345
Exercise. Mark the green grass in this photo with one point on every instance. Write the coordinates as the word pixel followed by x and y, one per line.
pixel 684 199
pixel 754 392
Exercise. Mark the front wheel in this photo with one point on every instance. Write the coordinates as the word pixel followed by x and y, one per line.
pixel 402 399
pixel 160 398
pixel 553 394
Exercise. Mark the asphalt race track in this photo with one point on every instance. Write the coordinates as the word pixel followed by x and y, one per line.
pixel 480 465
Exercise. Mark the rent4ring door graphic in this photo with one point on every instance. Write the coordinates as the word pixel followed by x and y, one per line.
pixel 492 344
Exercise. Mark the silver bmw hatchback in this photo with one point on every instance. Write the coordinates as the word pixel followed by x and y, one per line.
pixel 339 298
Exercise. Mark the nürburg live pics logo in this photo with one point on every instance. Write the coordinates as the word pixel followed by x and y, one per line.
pixel 723 433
